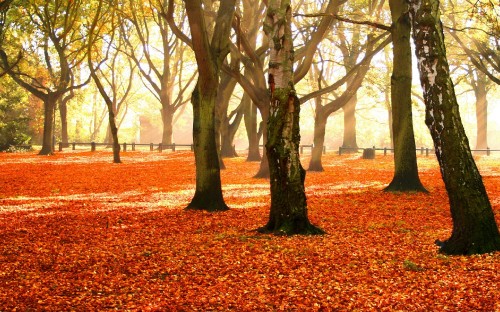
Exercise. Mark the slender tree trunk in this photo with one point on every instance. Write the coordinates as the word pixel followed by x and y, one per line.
pixel 114 135
pixel 319 141
pixel 49 106
pixel 250 118
pixel 474 228
pixel 288 214
pixel 263 172
pixel 167 119
pixel 63 113
pixel 481 111
pixel 405 158
pixel 350 125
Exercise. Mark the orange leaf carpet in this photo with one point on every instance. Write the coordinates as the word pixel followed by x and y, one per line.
pixel 80 233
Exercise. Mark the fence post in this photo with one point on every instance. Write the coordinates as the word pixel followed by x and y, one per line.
pixel 60 146
pixel 160 147
pixel 74 145
pixel 173 147
pixel 340 150
pixel 124 146
pixel 92 146
pixel 488 151
pixel 133 146
pixel 151 147
pixel 385 151
pixel 427 151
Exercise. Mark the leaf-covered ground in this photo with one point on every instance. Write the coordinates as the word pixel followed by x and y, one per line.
pixel 80 233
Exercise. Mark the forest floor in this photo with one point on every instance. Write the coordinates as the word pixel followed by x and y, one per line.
pixel 80 233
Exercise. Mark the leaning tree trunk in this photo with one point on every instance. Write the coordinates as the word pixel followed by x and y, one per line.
pixel 288 214
pixel 63 113
pixel 474 228
pixel 405 158
pixel 49 106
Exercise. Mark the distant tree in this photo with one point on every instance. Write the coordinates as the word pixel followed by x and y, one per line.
pixel 405 159
pixel 474 228
pixel 160 73
pixel 210 55
pixel 288 213
pixel 51 42
pixel 102 34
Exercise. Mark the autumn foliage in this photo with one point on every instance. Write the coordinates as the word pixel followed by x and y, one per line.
pixel 78 232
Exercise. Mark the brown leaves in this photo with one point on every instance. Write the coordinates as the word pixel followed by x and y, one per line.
pixel 80 233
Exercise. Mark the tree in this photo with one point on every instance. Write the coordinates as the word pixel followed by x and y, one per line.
pixel 104 21
pixel 52 36
pixel 474 228
pixel 405 159
pixel 209 57
pixel 159 73
pixel 288 213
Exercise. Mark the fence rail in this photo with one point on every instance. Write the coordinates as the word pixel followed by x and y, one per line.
pixel 423 150
pixel 125 146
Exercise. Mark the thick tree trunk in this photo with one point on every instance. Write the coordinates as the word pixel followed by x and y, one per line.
pixel 405 158
pixel 288 214
pixel 208 194
pixel 113 128
pixel 349 140
pixel 319 141
pixel 250 118
pixel 209 57
pixel 49 106
pixel 474 228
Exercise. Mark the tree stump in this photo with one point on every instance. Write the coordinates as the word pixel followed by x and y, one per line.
pixel 369 153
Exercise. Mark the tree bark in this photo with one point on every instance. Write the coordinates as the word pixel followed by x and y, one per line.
pixel 288 213
pixel 405 158
pixel 474 228
pixel 49 106
pixel 250 119
pixel 209 57
pixel 349 140
pixel 320 121
pixel 481 92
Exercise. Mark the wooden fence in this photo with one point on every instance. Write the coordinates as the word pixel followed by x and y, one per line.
pixel 132 146
pixel 422 150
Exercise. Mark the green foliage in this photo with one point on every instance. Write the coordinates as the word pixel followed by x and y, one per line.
pixel 14 127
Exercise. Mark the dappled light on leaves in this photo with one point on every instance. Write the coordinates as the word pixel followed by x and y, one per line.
pixel 78 232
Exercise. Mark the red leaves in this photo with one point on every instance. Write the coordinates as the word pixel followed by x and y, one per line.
pixel 78 232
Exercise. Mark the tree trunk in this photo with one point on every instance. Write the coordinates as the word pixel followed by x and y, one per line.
pixel 481 111
pixel 263 172
pixel 49 106
pixel 319 141
pixel 63 113
pixel 167 117
pixel 474 228
pixel 405 158
pixel 209 57
pixel 208 194
pixel 288 214
pixel 250 118
pixel 349 140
